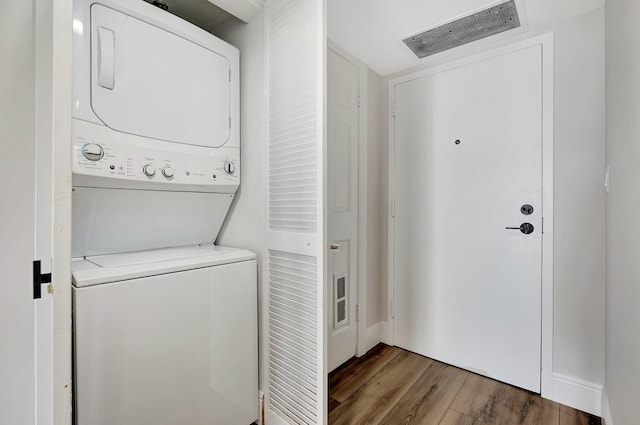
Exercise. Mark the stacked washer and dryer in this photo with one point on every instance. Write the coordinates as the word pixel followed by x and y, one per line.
pixel 165 321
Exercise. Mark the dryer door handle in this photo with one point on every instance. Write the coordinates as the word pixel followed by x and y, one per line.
pixel 106 58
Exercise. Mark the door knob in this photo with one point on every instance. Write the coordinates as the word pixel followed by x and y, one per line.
pixel 525 228
pixel 334 247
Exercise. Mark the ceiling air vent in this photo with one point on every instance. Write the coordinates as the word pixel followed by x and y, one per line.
pixel 485 23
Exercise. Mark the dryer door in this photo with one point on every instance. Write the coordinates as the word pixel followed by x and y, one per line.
pixel 149 82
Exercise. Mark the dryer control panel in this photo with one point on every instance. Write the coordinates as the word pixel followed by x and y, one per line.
pixel 103 158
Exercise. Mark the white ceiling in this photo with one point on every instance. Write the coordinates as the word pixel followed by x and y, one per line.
pixel 241 9
pixel 372 30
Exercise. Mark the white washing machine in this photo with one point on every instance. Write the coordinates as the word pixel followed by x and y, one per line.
pixel 166 337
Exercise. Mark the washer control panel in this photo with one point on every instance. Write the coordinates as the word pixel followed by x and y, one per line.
pixel 136 161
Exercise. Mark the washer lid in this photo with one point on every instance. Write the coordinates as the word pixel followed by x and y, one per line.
pixel 155 256
pixel 102 269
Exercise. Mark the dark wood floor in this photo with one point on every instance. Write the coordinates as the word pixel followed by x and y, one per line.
pixel 391 386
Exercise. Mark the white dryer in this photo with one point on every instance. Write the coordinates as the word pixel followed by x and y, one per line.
pixel 166 337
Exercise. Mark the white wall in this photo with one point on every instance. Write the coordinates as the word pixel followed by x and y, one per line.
pixel 579 255
pixel 244 226
pixel 623 203
pixel 579 198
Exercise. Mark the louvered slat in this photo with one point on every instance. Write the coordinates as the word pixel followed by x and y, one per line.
pixel 293 336
pixel 292 118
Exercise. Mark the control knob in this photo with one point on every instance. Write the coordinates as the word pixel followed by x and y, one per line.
pixel 168 172
pixel 92 151
pixel 229 167
pixel 149 170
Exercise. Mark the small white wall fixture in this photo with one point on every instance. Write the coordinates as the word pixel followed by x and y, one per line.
pixel 546 42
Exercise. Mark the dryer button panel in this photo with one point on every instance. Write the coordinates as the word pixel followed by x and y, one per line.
pixel 100 160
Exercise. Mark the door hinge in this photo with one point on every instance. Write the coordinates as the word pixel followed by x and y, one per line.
pixel 358 98
pixel 229 122
pixel 393 208
pixel 542 225
pixel 229 75
pixel 38 279
pixel 393 309
pixel 393 109
pixel 357 312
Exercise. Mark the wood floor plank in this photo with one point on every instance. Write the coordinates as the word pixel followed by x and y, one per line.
pixel 526 408
pixel 429 398
pixel 494 403
pixel 333 403
pixel 345 380
pixel 569 416
pixel 373 400
pixel 453 417
pixel 548 412
pixel 479 398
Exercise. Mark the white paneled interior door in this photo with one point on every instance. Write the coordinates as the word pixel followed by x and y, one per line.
pixel 468 165
pixel 342 207
pixel 25 227
pixel 295 359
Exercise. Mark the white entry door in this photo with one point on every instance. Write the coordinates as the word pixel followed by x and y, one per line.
pixel 342 200
pixel 468 223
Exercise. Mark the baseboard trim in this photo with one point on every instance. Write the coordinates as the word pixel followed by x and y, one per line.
pixel 374 335
pixel 576 393
pixel 371 337
pixel 385 333
pixel 606 409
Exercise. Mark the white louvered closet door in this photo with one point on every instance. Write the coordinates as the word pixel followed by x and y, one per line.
pixel 295 368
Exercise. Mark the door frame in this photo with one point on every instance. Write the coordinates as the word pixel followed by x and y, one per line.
pixel 361 300
pixel 60 16
pixel 546 42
